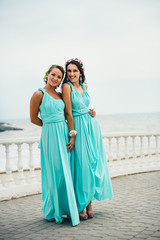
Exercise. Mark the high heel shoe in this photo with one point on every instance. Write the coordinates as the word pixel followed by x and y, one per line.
pixel 83 216
pixel 90 214
pixel 51 220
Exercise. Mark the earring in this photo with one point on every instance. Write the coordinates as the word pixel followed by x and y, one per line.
pixel 80 79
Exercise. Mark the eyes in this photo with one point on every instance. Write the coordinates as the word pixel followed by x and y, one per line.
pixel 59 77
pixel 75 70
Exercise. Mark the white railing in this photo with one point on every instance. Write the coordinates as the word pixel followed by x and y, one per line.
pixel 126 154
pixel 18 175
pixel 132 153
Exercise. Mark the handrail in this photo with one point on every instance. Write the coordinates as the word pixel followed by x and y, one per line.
pixel 127 153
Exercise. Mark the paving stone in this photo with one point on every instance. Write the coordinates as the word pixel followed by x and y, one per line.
pixel 156 234
pixel 142 236
pixel 153 238
pixel 133 213
pixel 153 228
pixel 125 237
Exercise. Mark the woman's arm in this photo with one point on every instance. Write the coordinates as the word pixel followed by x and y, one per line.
pixel 35 102
pixel 92 112
pixel 66 95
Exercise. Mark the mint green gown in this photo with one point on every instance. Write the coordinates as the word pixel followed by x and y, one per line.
pixel 89 166
pixel 57 187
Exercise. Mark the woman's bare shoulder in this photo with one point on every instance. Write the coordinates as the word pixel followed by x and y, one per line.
pixel 38 95
pixel 66 87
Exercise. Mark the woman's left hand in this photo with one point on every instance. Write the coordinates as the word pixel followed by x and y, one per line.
pixel 92 112
pixel 70 145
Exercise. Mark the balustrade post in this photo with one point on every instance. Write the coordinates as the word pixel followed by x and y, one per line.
pixel 9 178
pixel 21 177
pixel 118 153
pixel 115 156
pixel 150 158
pixel 126 151
pixel 149 147
pixel 134 148
pixel 143 161
pixel 141 147
pixel 31 164
pixel 118 149
pixel 110 156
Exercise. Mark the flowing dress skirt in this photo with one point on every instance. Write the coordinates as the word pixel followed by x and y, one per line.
pixel 57 187
pixel 89 164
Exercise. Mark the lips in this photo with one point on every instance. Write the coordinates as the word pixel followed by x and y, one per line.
pixel 54 82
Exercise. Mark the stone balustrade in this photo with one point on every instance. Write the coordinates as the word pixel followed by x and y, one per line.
pixel 126 154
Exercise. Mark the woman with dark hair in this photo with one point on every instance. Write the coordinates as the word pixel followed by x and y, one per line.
pixel 57 187
pixel 89 167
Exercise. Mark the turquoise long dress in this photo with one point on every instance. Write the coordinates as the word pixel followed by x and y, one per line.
pixel 57 187
pixel 90 172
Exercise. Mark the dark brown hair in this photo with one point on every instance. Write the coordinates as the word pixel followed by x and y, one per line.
pixel 80 69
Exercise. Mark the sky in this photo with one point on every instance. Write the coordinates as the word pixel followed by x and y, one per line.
pixel 117 40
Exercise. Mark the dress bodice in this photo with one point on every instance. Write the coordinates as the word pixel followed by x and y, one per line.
pixel 51 110
pixel 80 104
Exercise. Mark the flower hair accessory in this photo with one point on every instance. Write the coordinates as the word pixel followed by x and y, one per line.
pixel 77 60
pixel 45 76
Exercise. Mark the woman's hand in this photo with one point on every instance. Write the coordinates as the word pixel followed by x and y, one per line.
pixel 92 112
pixel 70 144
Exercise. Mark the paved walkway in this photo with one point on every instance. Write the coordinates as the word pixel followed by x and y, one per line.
pixel 134 213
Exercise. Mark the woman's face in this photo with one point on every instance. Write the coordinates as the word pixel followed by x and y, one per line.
pixel 54 77
pixel 73 73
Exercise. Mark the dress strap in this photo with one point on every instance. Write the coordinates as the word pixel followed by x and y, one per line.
pixel 84 88
pixel 71 85
pixel 42 89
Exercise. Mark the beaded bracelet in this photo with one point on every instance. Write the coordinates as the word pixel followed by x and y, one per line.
pixel 72 133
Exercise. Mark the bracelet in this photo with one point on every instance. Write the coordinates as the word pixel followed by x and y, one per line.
pixel 72 133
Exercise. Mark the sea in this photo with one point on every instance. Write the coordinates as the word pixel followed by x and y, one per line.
pixel 115 123
pixel 109 124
